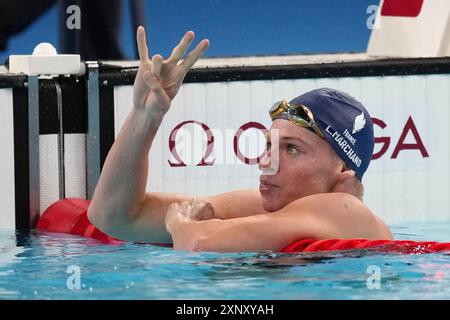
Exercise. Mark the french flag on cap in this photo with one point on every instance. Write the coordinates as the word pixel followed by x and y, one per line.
pixel 411 28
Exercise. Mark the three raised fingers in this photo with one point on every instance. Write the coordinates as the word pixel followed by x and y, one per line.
pixel 177 53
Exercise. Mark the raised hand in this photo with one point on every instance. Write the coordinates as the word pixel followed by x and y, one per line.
pixel 158 81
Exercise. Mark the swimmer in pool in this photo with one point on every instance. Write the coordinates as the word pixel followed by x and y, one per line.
pixel 324 141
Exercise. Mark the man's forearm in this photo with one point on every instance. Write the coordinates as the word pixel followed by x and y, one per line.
pixel 121 188
pixel 232 235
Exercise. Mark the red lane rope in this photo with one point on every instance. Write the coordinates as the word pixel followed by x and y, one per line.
pixel 389 246
pixel 70 216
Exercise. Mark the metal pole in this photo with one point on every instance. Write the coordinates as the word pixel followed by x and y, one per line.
pixel 33 148
pixel 61 149
pixel 93 135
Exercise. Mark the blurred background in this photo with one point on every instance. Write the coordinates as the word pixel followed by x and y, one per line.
pixel 235 27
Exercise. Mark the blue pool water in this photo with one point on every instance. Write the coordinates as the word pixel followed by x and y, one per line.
pixel 58 266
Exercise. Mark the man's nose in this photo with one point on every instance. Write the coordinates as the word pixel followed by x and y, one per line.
pixel 265 161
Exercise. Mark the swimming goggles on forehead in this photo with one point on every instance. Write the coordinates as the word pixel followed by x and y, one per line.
pixel 298 114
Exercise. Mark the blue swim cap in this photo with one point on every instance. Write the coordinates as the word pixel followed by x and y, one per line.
pixel 345 123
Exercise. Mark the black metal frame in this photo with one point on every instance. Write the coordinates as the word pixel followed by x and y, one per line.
pixel 371 68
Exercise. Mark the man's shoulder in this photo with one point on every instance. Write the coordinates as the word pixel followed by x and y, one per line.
pixel 350 216
pixel 332 200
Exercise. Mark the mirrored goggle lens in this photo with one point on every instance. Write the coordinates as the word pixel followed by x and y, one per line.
pixel 303 113
pixel 276 109
pixel 299 120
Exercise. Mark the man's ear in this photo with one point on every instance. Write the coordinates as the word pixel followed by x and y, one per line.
pixel 344 182
pixel 347 173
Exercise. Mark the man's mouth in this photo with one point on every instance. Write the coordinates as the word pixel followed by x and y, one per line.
pixel 266 186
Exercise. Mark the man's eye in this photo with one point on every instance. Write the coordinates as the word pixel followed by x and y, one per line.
pixel 292 149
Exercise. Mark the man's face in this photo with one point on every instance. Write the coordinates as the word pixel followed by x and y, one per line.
pixel 307 165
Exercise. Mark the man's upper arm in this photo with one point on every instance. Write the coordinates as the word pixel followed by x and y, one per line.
pixel 236 204
pixel 148 225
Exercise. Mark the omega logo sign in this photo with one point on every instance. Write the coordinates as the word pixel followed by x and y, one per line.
pixel 208 160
